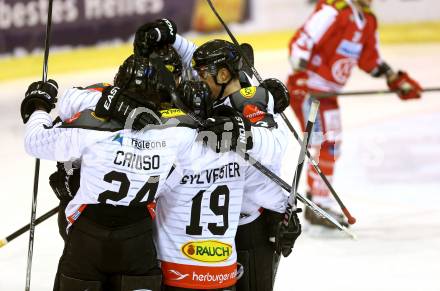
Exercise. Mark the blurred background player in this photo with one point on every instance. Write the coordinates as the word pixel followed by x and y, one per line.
pixel 339 35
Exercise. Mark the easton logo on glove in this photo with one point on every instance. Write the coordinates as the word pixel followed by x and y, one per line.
pixel 41 93
pixel 110 97
pixel 241 131
pixel 170 25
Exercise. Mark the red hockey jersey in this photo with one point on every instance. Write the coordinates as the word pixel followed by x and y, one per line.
pixel 334 39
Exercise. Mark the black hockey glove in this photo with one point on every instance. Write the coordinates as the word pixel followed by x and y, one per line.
pixel 150 35
pixel 196 95
pixel 41 95
pixel 227 130
pixel 279 92
pixel 117 105
pixel 286 235
pixel 65 182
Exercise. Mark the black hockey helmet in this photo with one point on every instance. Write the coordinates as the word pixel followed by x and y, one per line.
pixel 216 54
pixel 169 56
pixel 144 79
pixel 197 96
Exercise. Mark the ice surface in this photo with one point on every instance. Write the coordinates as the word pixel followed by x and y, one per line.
pixel 388 176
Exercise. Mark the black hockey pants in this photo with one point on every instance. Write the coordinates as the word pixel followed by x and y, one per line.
pixel 256 255
pixel 94 252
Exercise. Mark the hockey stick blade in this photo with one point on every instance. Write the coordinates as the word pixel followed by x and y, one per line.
pixel 283 184
pixel 321 213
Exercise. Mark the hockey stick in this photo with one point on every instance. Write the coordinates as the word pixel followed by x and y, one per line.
pixel 271 175
pixel 291 201
pixel 37 161
pixel 25 228
pixel 363 93
pixel 350 218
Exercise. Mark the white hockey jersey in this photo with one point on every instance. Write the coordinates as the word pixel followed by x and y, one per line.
pixel 196 220
pixel 198 214
pixel 198 210
pixel 262 192
pixel 118 168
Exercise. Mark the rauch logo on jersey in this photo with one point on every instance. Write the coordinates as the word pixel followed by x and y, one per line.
pixel 208 251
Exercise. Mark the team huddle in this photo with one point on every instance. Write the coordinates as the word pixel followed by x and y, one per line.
pixel 160 197
pixel 153 176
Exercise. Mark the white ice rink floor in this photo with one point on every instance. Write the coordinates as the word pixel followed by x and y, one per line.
pixel 388 176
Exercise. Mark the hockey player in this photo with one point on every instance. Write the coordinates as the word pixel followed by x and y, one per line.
pixel 224 182
pixel 121 171
pixel 218 64
pixel 65 180
pixel 221 179
pixel 339 35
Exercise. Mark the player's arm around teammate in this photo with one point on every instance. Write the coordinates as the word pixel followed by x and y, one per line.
pixel 121 171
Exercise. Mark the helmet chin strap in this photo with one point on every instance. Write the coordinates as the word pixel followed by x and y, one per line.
pixel 223 87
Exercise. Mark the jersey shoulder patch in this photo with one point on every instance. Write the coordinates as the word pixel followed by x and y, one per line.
pixel 248 92
pixel 253 106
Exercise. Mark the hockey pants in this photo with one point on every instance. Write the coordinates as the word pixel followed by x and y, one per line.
pixel 255 254
pixel 93 252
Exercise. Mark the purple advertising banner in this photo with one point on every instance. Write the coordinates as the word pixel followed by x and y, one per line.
pixel 83 22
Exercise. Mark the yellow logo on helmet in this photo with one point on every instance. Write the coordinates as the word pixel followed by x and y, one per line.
pixel 170 113
pixel 208 251
pixel 248 92
pixel 170 68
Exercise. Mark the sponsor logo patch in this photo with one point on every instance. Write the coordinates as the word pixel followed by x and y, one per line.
pixel 118 138
pixel 248 92
pixel 253 113
pixel 341 69
pixel 170 113
pixel 349 49
pixel 208 251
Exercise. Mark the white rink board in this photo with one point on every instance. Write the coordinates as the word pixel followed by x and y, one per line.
pixel 388 176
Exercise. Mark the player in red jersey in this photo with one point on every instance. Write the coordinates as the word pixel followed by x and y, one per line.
pixel 339 35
